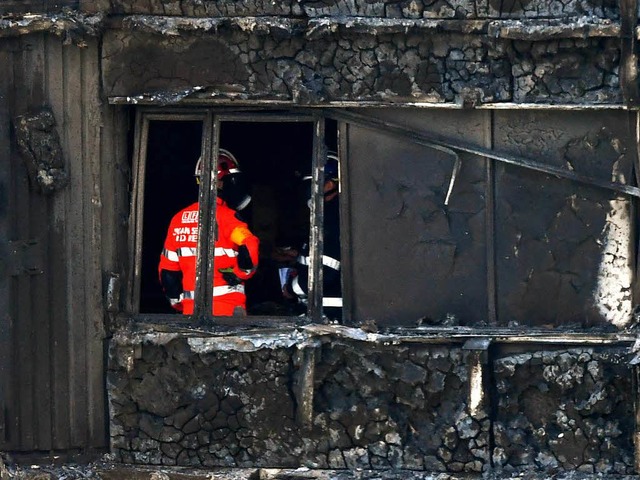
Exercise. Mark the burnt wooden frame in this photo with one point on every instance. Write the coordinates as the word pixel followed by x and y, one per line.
pixel 211 119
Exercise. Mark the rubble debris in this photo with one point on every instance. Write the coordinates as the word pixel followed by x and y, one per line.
pixel 69 24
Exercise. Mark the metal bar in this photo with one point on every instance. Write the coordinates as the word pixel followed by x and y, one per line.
pixel 235 104
pixel 454 175
pixel 228 114
pixel 206 222
pixel 137 210
pixel 446 146
pixel 346 266
pixel 265 117
pixel 490 226
pixel 628 55
pixel 635 382
pixel 316 233
pixel 304 359
pixel 635 127
pixel 6 85
pixel 426 335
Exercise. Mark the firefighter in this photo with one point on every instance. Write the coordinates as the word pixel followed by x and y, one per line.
pixel 296 286
pixel 236 248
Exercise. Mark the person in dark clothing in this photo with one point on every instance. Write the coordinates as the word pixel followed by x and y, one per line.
pixel 296 286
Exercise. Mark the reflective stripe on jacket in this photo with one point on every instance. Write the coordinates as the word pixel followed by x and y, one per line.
pixel 180 251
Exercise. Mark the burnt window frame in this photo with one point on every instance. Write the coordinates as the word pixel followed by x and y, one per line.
pixel 344 117
pixel 455 148
pixel 212 118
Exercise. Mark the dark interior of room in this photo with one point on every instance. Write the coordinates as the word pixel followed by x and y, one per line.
pixel 274 156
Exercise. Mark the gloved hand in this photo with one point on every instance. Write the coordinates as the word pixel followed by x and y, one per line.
pixel 230 277
pixel 244 258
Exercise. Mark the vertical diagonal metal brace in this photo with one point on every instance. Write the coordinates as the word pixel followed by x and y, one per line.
pixel 635 382
pixel 304 361
pixel 628 53
pixel 479 397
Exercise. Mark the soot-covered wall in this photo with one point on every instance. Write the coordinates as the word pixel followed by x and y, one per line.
pixel 507 235
pixel 374 403
pixel 466 52
pixel 232 402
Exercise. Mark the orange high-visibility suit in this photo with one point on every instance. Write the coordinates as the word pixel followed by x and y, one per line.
pixel 179 254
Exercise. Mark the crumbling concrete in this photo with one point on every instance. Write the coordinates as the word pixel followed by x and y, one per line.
pixel 260 61
pixel 203 401
pixel 363 8
pixel 350 51
pixel 564 410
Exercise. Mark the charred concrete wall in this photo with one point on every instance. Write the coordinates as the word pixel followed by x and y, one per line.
pixel 375 404
pixel 326 65
pixel 354 403
pixel 470 9
pixel 464 52
pixel 564 410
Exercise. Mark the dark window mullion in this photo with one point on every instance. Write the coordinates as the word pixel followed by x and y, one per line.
pixel 206 222
pixel 316 234
pixel 345 232
pixel 137 209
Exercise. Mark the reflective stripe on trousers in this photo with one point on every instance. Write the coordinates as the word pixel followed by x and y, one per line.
pixel 326 301
pixel 326 261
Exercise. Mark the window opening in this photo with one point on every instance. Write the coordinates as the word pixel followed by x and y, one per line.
pixel 173 148
pixel 274 156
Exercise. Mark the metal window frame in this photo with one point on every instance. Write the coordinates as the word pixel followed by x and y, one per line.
pixel 212 118
pixel 345 117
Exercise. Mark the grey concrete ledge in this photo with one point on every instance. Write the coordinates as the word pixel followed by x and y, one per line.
pixel 92 25
pixel 246 339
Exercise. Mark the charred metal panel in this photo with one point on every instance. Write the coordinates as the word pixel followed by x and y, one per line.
pixel 415 260
pixel 5 218
pixel 227 401
pixel 289 67
pixel 52 350
pixel 556 240
pixel 564 410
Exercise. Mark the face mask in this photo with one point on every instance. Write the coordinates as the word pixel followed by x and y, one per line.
pixel 234 191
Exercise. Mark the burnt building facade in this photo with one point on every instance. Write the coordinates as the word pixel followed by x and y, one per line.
pixel 488 229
